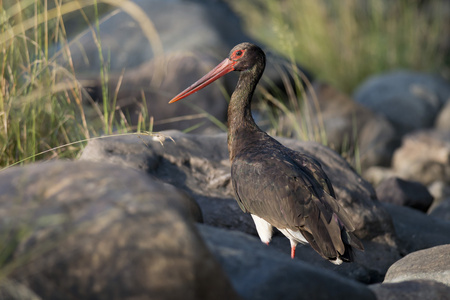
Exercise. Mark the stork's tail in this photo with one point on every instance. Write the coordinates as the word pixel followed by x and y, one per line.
pixel 350 242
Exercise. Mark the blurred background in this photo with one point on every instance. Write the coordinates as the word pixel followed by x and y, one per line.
pixel 354 75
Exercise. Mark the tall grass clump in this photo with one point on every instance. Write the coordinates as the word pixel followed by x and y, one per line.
pixel 345 41
pixel 42 114
pixel 40 102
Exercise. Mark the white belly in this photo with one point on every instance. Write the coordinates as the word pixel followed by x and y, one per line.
pixel 264 230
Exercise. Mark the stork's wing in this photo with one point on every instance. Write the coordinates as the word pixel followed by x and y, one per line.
pixel 275 190
pixel 313 167
pixel 292 193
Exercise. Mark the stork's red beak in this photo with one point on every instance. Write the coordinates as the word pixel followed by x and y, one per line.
pixel 223 68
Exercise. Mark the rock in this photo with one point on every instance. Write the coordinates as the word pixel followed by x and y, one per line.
pixel 428 264
pixel 411 290
pixel 409 100
pixel 199 165
pixel 260 272
pixel 441 210
pixel 377 141
pixel 424 156
pixel 349 125
pixel 416 230
pixel 12 290
pixel 376 174
pixel 370 265
pixel 198 29
pixel 440 191
pixel 87 230
pixel 404 193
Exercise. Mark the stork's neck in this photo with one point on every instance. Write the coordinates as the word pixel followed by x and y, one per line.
pixel 242 129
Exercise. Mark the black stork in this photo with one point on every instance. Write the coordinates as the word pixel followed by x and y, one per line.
pixel 278 186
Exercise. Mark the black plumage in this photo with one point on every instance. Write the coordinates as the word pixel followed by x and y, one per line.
pixel 278 186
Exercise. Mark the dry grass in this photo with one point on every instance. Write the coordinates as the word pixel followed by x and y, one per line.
pixel 42 115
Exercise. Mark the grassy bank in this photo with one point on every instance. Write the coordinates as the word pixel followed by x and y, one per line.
pixel 42 114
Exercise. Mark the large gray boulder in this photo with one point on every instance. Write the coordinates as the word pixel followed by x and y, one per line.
pixel 411 290
pixel 416 230
pixel 409 100
pixel 427 264
pixel 86 230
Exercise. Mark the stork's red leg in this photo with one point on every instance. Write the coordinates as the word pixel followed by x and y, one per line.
pixel 293 251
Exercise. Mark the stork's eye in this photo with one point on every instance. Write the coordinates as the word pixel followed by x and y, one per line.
pixel 237 54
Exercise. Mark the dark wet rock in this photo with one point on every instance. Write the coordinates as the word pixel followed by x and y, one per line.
pixel 411 290
pixel 427 264
pixel 409 100
pixel 261 272
pixel 405 193
pixel 87 230
pixel 416 230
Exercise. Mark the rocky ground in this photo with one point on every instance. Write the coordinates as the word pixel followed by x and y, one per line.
pixel 153 217
pixel 138 216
